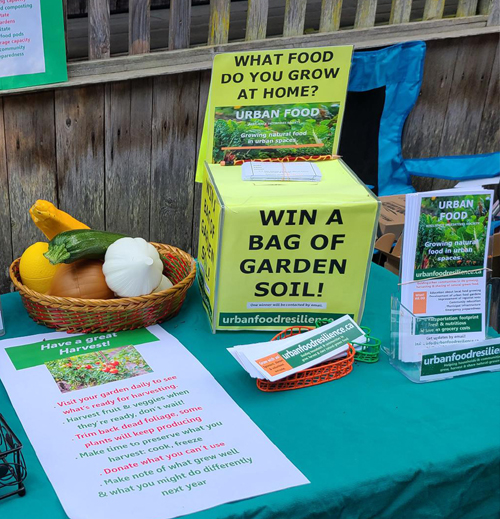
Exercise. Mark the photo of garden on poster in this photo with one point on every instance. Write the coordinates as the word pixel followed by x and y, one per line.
pixel 135 418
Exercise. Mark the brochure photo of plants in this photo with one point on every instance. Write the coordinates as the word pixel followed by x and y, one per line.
pixel 97 368
pixel 277 131
pixel 452 233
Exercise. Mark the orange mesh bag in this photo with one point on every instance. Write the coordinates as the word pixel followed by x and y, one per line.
pixel 324 372
pixel 75 315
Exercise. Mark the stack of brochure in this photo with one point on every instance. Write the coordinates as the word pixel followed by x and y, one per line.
pixel 278 359
pixel 443 270
pixel 281 171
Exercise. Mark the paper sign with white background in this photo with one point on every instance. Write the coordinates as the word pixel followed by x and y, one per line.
pixel 21 38
pixel 158 437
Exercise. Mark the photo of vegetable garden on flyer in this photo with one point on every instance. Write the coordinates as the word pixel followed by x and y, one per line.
pixel 97 368
pixel 277 131
pixel 452 234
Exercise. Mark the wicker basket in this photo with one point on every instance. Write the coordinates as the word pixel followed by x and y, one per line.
pixel 324 372
pixel 74 315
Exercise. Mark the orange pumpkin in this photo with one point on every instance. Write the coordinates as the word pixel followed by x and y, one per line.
pixel 83 279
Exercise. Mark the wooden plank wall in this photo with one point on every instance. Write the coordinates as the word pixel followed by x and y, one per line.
pixel 121 156
pixel 457 111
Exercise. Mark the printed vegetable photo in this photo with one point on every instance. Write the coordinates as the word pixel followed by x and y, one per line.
pixel 97 368
pixel 452 232
pixel 277 131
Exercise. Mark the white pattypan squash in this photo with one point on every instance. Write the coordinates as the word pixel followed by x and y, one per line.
pixel 164 285
pixel 132 267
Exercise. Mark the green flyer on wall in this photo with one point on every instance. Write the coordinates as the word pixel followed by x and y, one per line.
pixel 32 43
pixel 275 105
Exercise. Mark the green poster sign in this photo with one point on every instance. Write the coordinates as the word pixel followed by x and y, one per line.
pixel 38 353
pixel 32 43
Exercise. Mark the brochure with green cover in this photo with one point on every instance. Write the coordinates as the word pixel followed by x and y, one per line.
pixel 444 270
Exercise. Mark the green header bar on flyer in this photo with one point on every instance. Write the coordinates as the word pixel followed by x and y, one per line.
pixel 274 318
pixel 320 344
pixel 479 358
pixel 469 272
pixel 38 353
pixel 439 324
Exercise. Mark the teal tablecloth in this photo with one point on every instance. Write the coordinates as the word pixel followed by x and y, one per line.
pixel 373 445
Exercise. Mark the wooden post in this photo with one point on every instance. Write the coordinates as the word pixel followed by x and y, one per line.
pixel 139 26
pixel 218 28
pixel 31 163
pixel 484 7
pixel 128 116
pixel 490 124
pixel 494 17
pixel 433 9
pixel 99 47
pixel 173 160
pixel 468 93
pixel 295 18
pixel 205 76
pixel 257 19
pixel 79 124
pixel 466 8
pixel 5 228
pixel 330 15
pixel 365 14
pixel 179 24
pixel 65 19
pixel 400 11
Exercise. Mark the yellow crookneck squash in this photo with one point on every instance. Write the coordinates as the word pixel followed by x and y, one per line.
pixel 51 220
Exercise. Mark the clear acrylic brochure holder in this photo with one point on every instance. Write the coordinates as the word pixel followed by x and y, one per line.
pixel 444 362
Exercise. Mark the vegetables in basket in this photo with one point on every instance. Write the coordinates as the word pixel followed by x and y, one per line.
pixel 165 284
pixel 82 279
pixel 133 267
pixel 35 270
pixel 70 246
pixel 51 220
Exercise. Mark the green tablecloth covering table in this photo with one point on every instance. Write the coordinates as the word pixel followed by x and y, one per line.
pixel 373 444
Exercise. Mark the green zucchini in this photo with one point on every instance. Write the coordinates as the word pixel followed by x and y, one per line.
pixel 70 246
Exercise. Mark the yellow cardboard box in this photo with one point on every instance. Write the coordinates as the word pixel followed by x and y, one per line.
pixel 279 254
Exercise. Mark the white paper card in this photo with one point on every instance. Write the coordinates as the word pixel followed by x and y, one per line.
pixel 163 441
pixel 21 39
pixel 281 171
pixel 275 360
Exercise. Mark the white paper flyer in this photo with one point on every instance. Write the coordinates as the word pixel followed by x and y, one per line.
pixel 131 425
pixel 443 270
pixel 274 360
pixel 21 38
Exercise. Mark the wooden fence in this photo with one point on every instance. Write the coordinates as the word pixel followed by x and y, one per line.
pixel 177 24
pixel 116 146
